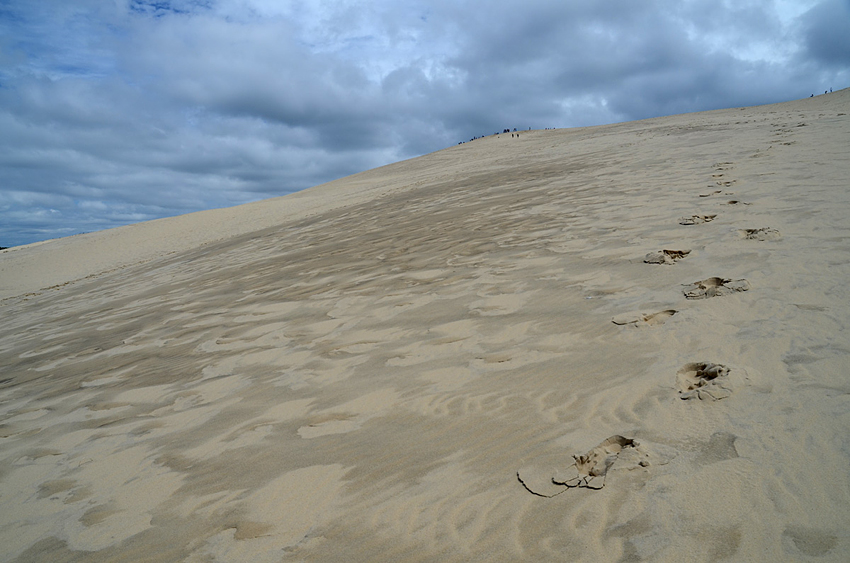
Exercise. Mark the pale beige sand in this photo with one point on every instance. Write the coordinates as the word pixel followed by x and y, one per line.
pixel 361 371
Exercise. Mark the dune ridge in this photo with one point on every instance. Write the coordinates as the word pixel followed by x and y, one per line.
pixel 419 363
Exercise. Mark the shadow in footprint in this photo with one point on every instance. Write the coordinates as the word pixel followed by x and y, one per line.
pixel 720 447
pixel 696 219
pixel 637 318
pixel 665 256
pixel 704 381
pixel 715 287
pixel 808 541
pixel 764 233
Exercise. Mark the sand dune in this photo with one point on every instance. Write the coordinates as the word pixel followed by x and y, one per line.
pixel 419 363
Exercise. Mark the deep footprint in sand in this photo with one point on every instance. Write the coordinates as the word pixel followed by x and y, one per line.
pixel 715 287
pixel 704 381
pixel 665 256
pixel 696 219
pixel 637 318
pixel 591 468
pixel 764 233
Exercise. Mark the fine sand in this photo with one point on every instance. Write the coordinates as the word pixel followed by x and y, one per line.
pixel 617 343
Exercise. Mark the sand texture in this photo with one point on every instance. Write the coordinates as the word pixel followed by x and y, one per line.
pixel 419 363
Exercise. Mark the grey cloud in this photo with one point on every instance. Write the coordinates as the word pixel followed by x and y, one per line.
pixel 826 31
pixel 120 112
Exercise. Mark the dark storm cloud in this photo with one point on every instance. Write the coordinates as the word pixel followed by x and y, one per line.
pixel 826 34
pixel 115 113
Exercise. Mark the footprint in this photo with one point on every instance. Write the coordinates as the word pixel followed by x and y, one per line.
pixel 665 256
pixel 637 318
pixel 591 468
pixel 715 287
pixel 736 202
pixel 715 192
pixel 704 381
pixel 764 233
pixel 696 219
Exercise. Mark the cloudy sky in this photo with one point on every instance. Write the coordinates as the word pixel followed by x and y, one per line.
pixel 118 111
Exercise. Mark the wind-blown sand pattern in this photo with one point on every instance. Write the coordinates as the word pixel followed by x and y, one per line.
pixel 360 371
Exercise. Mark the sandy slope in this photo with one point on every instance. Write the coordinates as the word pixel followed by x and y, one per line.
pixel 400 365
